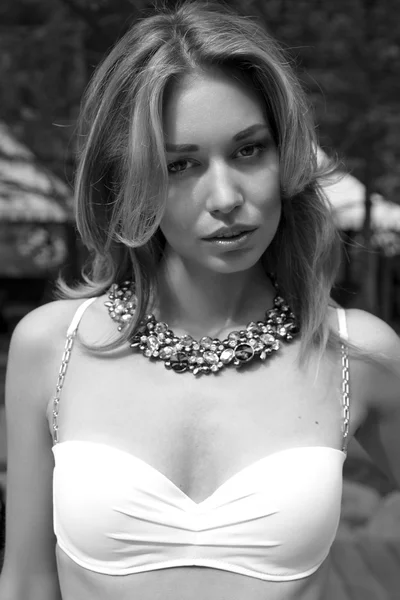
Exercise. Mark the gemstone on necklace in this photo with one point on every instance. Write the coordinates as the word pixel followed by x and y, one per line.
pixel 161 327
pixel 166 352
pixel 252 327
pixel 187 340
pixel 210 357
pixel 179 362
pixel 267 338
pixel 244 352
pixel 234 336
pixel 152 343
pixel 206 342
pixel 227 356
pixel 256 344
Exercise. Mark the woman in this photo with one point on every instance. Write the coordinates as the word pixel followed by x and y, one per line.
pixel 199 453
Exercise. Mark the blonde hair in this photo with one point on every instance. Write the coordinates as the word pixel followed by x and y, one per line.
pixel 122 177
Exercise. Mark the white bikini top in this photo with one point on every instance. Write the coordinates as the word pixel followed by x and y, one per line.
pixel 273 520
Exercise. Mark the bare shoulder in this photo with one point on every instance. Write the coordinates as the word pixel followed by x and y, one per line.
pixel 42 327
pixel 374 380
pixel 367 332
pixel 43 319
pixel 39 337
pixel 372 334
pixel 381 378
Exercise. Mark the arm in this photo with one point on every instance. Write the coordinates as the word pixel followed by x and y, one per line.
pixel 379 434
pixel 29 570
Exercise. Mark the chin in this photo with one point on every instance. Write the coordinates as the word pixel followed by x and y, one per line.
pixel 234 262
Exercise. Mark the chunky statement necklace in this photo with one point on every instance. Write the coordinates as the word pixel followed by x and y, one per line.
pixel 208 355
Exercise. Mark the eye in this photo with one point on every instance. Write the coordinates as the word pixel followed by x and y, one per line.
pixel 249 150
pixel 178 166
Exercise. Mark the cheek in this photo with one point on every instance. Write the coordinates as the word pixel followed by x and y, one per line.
pixel 274 206
pixel 273 181
pixel 178 220
pixel 275 212
pixel 276 217
pixel 270 207
pixel 268 196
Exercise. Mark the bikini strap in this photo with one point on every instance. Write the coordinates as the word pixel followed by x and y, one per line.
pixel 78 315
pixel 343 332
pixel 71 333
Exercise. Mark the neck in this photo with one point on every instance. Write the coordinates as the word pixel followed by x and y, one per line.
pixel 200 302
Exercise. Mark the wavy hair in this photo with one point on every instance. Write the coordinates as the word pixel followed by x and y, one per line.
pixel 122 178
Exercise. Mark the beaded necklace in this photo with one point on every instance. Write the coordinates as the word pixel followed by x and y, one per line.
pixel 208 355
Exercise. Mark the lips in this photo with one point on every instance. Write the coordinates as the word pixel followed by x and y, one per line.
pixel 226 233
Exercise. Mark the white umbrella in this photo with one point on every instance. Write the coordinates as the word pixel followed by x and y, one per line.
pixel 346 196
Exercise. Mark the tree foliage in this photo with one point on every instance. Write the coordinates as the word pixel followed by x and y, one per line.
pixel 346 53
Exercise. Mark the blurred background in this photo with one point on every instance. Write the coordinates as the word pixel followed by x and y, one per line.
pixel 347 54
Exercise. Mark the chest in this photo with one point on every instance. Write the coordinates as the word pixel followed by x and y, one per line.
pixel 200 431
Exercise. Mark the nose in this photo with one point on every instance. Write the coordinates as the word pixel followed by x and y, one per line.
pixel 223 193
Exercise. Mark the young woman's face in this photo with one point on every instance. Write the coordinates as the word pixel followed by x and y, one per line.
pixel 221 181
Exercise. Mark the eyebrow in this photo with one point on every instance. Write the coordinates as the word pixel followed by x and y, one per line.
pixel 236 138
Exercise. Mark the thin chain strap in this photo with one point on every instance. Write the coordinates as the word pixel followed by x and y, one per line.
pixel 60 382
pixel 346 396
